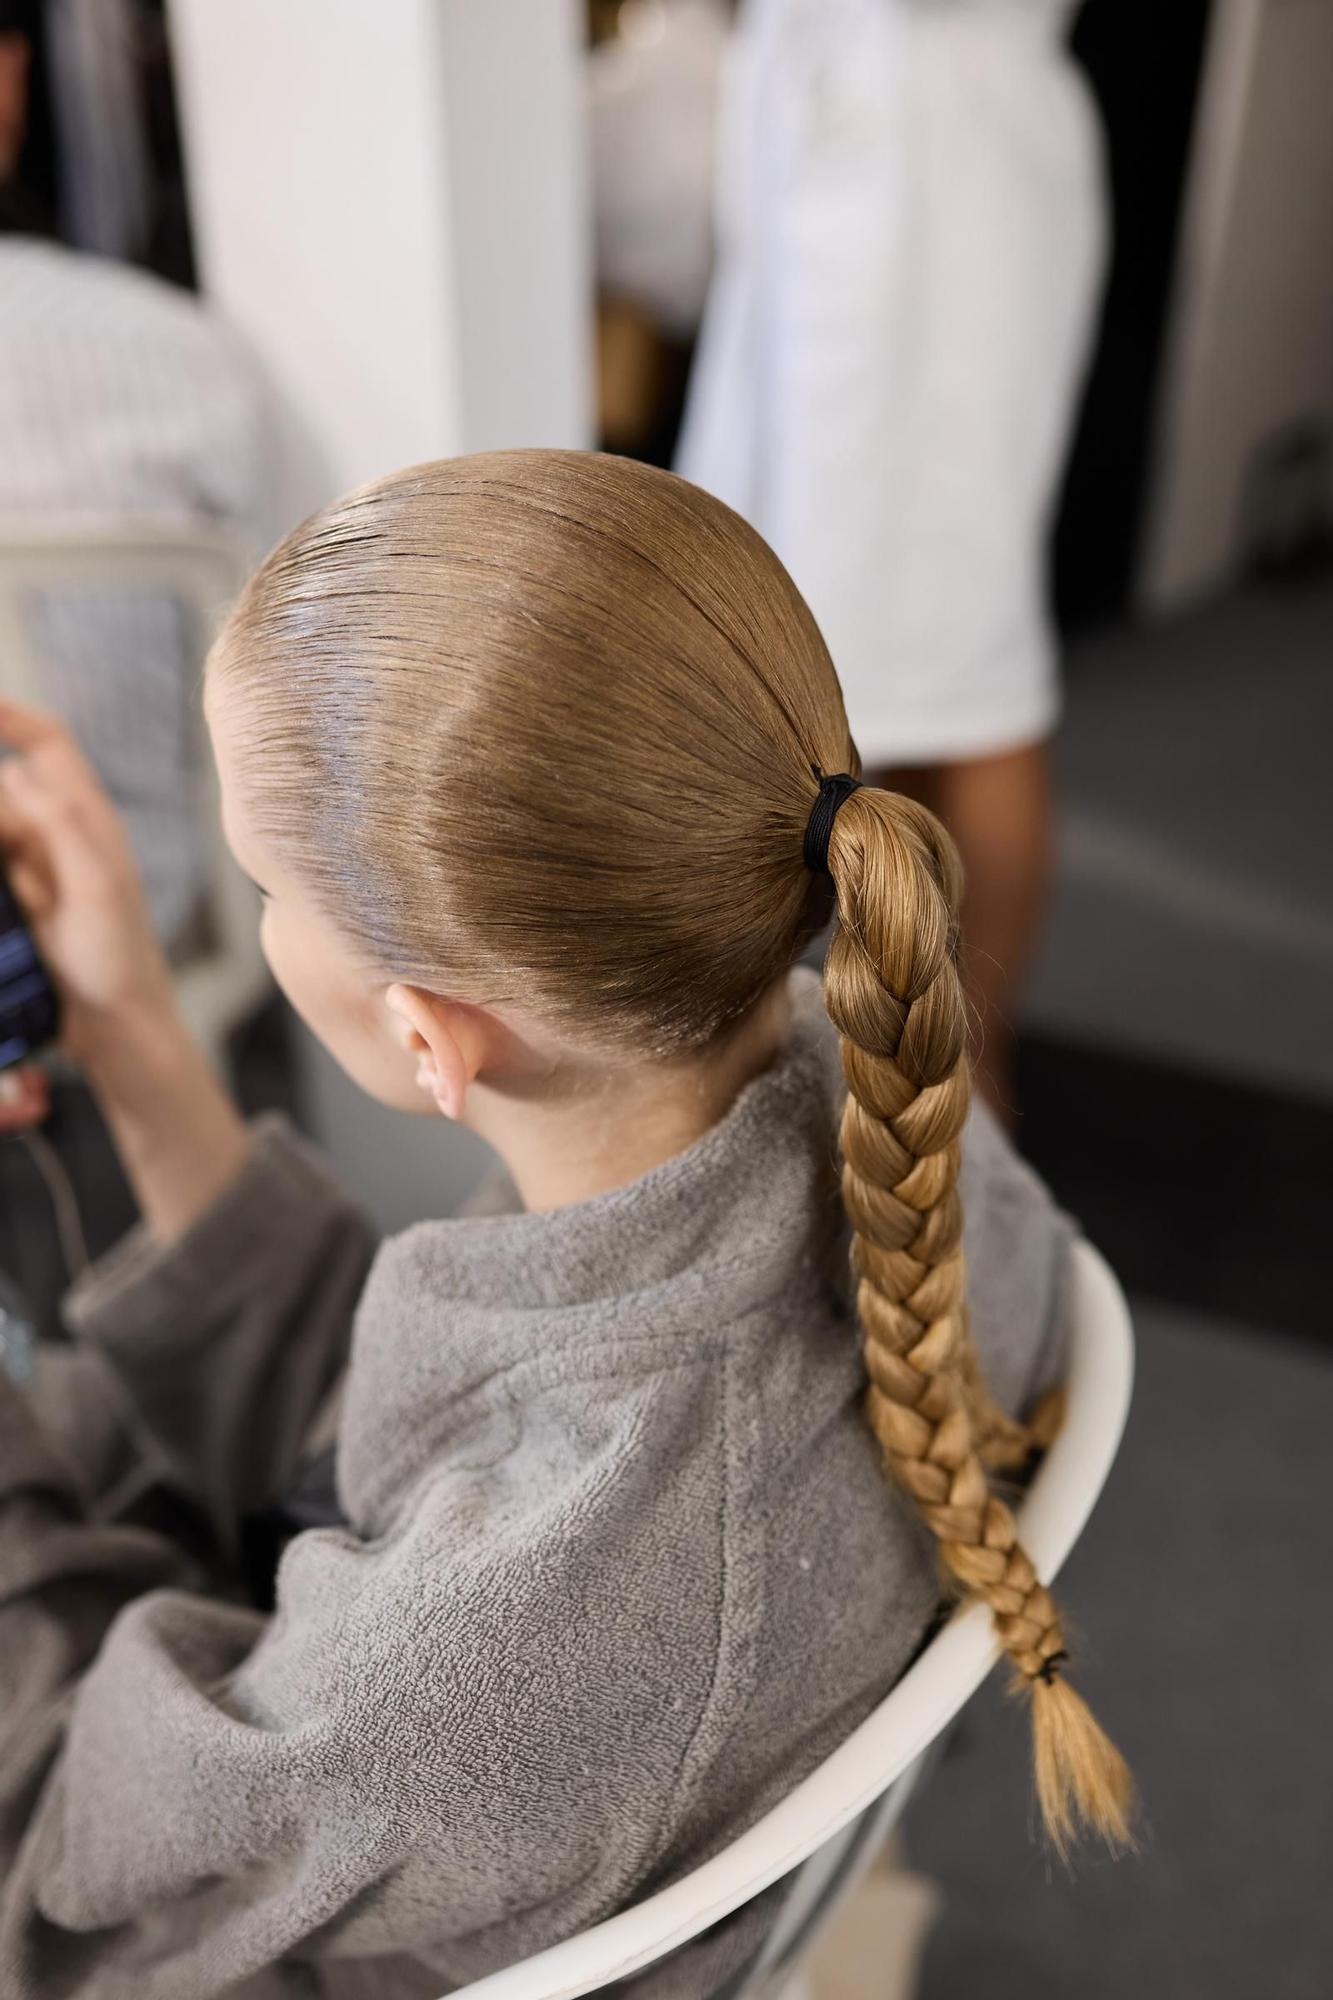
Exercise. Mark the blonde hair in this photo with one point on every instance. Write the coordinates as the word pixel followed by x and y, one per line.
pixel 550 725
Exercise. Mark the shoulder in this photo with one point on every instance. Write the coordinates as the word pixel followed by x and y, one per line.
pixel 537 1628
pixel 124 344
pixel 1017 1242
pixel 546 1479
pixel 516 1423
pixel 62 291
pixel 993 1169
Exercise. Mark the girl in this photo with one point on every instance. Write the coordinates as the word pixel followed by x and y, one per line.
pixel 542 767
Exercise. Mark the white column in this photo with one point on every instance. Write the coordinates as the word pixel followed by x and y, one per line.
pixel 388 200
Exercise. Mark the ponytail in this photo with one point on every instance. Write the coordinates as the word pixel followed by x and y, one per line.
pixel 892 989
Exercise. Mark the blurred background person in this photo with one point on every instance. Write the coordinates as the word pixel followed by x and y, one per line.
pixel 911 238
pixel 120 396
pixel 653 78
pixel 126 405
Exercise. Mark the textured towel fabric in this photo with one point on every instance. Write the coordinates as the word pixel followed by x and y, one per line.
pixel 619 1564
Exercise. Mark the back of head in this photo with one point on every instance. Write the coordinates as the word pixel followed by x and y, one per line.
pixel 544 717
pixel 548 727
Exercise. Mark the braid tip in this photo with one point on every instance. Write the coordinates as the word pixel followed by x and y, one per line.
pixel 1084 1785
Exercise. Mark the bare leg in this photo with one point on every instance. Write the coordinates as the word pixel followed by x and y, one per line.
pixel 998 809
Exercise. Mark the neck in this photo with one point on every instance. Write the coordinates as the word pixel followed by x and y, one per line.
pixel 565 1149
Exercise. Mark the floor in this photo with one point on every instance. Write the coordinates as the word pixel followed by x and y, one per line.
pixel 1200 1597
pixel 1177 1073
pixel 1193 914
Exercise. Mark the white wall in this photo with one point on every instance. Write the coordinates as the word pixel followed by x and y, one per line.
pixel 388 201
pixel 1250 347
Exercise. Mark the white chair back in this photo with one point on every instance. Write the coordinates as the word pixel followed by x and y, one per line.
pixel 201 565
pixel 825 1833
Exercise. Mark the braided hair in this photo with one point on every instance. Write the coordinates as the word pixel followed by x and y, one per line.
pixel 892 990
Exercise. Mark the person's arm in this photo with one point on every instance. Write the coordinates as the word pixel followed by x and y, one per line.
pixel 1017 1242
pixel 178 1135
pixel 180 1138
pixel 472 1724
pixel 190 1793
pixel 228 1313
pixel 226 1341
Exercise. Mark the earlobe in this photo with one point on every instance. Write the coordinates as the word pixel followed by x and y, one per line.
pixel 446 1039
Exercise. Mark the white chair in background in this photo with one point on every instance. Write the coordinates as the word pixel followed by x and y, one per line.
pixel 202 566
pixel 825 1833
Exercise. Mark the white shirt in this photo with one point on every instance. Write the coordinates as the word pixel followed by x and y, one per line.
pixel 911 232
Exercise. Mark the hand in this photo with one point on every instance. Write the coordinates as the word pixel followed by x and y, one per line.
pixel 180 1139
pixel 24 1098
pixel 72 871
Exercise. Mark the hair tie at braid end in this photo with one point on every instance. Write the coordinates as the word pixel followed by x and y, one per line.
pixel 833 793
pixel 1050 1666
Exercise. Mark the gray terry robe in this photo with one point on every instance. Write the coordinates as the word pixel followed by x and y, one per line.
pixel 619 1564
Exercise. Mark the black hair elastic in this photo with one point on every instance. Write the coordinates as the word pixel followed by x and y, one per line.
pixel 833 792
pixel 1046 1671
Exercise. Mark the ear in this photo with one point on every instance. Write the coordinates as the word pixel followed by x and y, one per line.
pixel 448 1039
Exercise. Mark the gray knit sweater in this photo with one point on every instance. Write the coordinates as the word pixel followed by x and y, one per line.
pixel 619 1564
